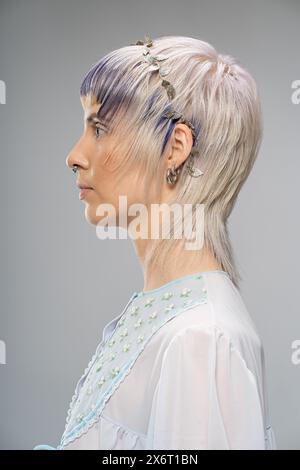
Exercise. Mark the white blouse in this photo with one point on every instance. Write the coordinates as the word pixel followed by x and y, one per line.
pixel 182 367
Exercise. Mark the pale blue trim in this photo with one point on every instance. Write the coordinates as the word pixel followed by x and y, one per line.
pixel 44 447
pixel 178 280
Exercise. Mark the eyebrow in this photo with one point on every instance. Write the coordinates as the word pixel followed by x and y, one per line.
pixel 92 118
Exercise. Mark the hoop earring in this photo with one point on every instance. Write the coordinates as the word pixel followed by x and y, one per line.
pixel 172 175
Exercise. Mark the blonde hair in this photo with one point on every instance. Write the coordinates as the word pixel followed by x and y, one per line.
pixel 223 107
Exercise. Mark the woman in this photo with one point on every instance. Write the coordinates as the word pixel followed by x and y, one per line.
pixel 182 366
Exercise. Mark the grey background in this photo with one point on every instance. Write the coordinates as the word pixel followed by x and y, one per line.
pixel 59 283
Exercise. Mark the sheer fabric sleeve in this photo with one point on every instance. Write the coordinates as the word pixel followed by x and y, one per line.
pixel 206 396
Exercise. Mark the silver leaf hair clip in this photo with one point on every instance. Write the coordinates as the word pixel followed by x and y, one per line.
pixel 157 63
pixel 228 71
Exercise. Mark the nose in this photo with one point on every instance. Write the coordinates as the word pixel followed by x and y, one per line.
pixel 77 157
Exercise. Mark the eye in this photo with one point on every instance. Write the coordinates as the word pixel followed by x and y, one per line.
pixel 98 131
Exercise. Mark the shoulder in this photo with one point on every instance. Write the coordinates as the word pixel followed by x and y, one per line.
pixel 224 311
pixel 222 320
pixel 214 326
pixel 211 351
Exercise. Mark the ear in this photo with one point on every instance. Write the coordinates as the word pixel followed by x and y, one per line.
pixel 181 144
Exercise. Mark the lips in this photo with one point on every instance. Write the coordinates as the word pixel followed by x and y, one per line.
pixel 84 189
pixel 83 192
pixel 83 186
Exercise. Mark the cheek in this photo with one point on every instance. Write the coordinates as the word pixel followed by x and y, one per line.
pixel 112 179
pixel 106 189
pixel 107 175
pixel 99 171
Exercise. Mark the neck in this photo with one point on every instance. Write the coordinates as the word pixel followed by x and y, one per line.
pixel 180 263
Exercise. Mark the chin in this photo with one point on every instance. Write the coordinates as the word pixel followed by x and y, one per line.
pixel 90 215
pixel 94 219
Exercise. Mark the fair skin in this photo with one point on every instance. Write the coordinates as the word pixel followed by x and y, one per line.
pixel 94 171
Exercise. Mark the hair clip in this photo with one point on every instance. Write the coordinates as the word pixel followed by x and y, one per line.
pixel 155 65
pixel 228 71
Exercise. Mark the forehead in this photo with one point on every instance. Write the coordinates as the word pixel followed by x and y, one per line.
pixel 89 105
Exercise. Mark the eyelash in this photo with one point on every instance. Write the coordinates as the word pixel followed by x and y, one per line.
pixel 97 128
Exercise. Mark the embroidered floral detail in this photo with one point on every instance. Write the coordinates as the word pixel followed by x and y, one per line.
pixel 79 418
pixel 134 310
pixel 99 367
pixel 140 338
pixel 111 343
pixel 123 334
pixel 149 302
pixel 138 323
pixel 115 371
pixel 121 322
pixel 169 308
pixel 112 356
pixel 101 381
pixel 126 347
pixel 185 292
pixel 152 316
pixel 167 296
